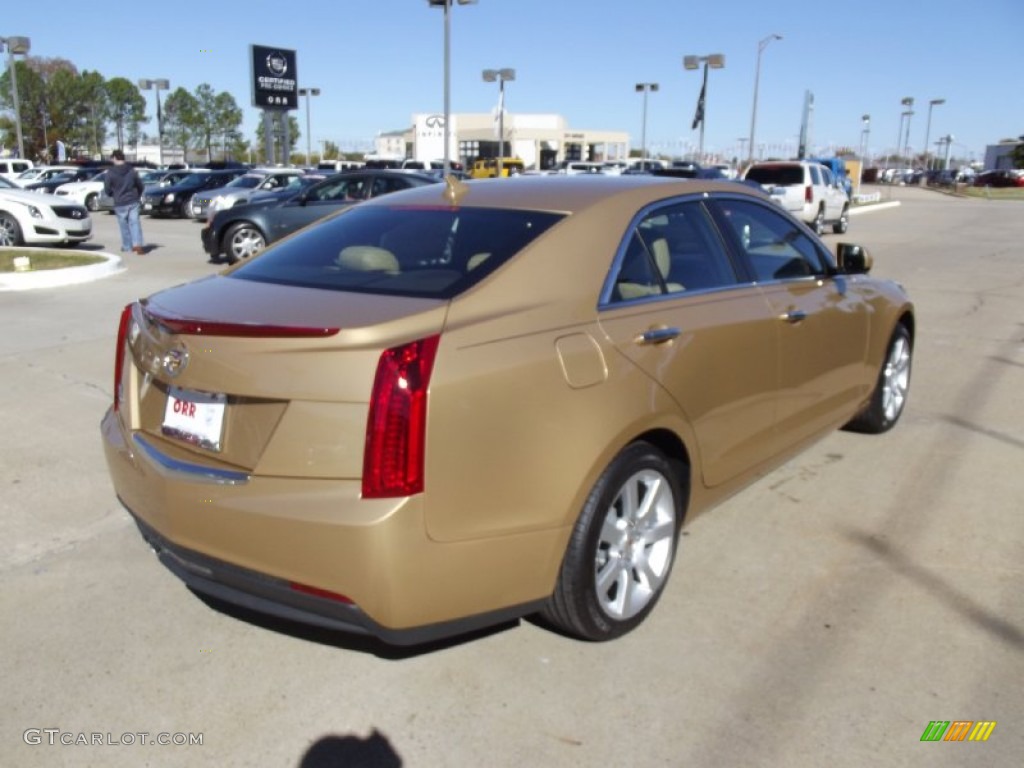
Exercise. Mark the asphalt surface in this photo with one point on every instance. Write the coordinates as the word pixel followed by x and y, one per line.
pixel 823 617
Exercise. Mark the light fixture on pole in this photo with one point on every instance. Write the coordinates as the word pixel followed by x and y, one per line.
pixel 157 85
pixel 928 130
pixel 307 92
pixel 447 4
pixel 16 45
pixel 761 45
pixel 501 76
pixel 714 61
pixel 645 88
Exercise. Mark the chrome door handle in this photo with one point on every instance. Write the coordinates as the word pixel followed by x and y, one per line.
pixel 657 335
pixel 793 316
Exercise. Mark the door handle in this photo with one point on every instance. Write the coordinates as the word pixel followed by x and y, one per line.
pixel 657 335
pixel 793 316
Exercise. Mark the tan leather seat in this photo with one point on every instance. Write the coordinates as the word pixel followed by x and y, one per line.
pixel 663 260
pixel 368 258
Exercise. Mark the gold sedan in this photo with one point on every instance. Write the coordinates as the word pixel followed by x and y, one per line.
pixel 476 401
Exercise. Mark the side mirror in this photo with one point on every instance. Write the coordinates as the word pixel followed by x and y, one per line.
pixel 853 259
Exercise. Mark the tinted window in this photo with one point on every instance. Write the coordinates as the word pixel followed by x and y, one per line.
pixel 400 251
pixel 782 175
pixel 673 249
pixel 777 247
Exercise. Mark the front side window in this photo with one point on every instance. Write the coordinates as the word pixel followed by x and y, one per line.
pixel 776 247
pixel 399 250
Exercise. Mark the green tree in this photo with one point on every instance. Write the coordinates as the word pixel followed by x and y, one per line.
pixel 218 117
pixel 181 118
pixel 1018 154
pixel 126 108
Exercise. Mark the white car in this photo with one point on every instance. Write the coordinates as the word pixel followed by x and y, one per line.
pixel 85 193
pixel 808 190
pixel 41 173
pixel 32 218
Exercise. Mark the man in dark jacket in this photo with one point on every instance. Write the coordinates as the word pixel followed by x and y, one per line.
pixel 123 184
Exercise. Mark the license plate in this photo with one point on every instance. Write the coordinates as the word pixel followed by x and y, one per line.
pixel 147 206
pixel 195 417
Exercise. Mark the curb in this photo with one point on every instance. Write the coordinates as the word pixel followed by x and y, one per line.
pixel 52 278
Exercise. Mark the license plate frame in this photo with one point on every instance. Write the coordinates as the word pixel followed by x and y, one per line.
pixel 195 417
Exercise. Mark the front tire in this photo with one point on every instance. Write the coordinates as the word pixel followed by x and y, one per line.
pixel 10 231
pixel 242 241
pixel 92 202
pixel 890 395
pixel 621 550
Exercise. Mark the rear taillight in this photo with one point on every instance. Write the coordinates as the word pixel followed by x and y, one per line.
pixel 808 194
pixel 120 353
pixel 397 425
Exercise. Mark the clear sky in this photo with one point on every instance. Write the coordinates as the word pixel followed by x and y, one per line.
pixel 377 62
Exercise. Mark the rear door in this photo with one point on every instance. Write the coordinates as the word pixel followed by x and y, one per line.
pixel 676 306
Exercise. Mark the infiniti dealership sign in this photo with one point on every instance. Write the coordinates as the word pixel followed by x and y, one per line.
pixel 274 78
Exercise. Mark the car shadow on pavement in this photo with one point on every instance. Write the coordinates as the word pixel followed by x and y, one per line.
pixel 348 641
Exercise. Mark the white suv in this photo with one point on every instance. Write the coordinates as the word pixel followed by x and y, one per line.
pixel 808 190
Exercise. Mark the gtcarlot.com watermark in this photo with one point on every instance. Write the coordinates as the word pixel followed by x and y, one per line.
pixel 58 737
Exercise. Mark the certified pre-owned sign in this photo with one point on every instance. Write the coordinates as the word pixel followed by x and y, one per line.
pixel 274 78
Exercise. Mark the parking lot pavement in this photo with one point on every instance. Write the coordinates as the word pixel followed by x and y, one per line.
pixel 825 616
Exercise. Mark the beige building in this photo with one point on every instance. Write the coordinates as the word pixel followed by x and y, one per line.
pixel 540 141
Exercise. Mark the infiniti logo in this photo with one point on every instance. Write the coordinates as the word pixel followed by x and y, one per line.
pixel 435 121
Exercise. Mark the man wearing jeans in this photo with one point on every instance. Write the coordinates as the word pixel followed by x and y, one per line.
pixel 123 184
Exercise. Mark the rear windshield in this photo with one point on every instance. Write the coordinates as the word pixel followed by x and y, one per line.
pixel 400 251
pixel 777 174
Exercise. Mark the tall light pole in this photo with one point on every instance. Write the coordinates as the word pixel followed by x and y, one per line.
pixel 307 92
pixel 645 88
pixel 501 76
pixel 761 45
pixel 865 135
pixel 447 4
pixel 16 45
pixel 715 61
pixel 157 85
pixel 908 102
pixel 928 130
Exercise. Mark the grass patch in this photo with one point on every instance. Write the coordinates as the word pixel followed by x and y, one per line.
pixel 44 259
pixel 995 193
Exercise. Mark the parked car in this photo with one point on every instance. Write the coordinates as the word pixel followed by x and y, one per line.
pixel 175 199
pixel 487 167
pixel 11 167
pixel 150 177
pixel 85 192
pixel 240 189
pixel 1004 177
pixel 29 218
pixel 51 184
pixel 41 173
pixel 465 403
pixel 245 230
pixel 808 190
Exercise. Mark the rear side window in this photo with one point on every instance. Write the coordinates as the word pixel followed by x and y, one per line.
pixel 400 251
pixel 783 175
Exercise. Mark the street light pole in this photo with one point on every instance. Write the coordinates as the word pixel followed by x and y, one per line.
pixel 645 88
pixel 500 75
pixel 714 61
pixel 928 130
pixel 307 92
pixel 447 4
pixel 865 135
pixel 908 102
pixel 157 85
pixel 16 45
pixel 761 45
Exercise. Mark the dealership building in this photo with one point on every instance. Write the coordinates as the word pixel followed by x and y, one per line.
pixel 540 141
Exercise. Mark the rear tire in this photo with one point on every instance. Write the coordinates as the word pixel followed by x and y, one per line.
pixel 622 548
pixel 843 224
pixel 890 395
pixel 819 221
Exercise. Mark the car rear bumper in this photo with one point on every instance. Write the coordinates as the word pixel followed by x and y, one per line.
pixel 313 551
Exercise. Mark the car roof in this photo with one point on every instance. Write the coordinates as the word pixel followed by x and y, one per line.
pixel 564 194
